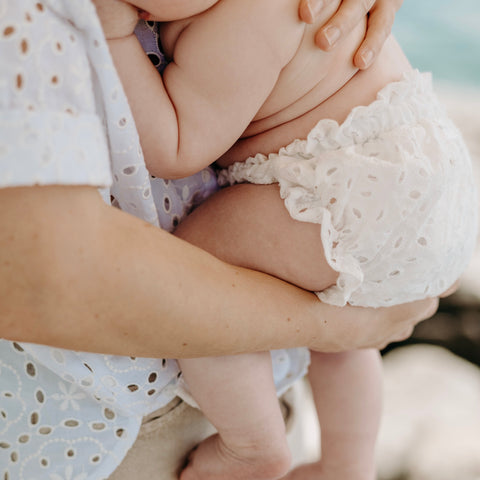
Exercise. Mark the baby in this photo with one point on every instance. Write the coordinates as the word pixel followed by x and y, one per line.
pixel 367 198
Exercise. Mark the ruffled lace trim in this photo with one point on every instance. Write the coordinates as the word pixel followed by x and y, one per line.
pixel 390 110
pixel 392 169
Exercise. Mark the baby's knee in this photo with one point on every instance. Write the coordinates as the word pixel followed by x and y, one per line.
pixel 275 461
pixel 265 457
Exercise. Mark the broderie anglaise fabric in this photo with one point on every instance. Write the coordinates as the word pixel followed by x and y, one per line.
pixel 393 190
pixel 68 415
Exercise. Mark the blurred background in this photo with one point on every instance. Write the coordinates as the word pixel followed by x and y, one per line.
pixel 431 427
pixel 431 421
pixel 443 37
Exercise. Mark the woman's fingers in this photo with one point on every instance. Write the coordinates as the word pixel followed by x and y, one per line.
pixel 348 15
pixel 381 15
pixel 360 327
pixel 379 27
pixel 308 10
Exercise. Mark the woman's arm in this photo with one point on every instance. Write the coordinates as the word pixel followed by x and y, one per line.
pixel 78 274
pixel 381 15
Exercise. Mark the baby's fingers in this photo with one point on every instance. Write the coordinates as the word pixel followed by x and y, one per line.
pixel 117 17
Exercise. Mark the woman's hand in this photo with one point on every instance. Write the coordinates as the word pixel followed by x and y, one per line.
pixel 352 328
pixel 357 327
pixel 117 17
pixel 381 14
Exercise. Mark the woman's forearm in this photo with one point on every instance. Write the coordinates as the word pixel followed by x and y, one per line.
pixel 78 274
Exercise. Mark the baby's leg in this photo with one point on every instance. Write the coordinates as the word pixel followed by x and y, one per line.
pixel 347 392
pixel 237 395
pixel 248 225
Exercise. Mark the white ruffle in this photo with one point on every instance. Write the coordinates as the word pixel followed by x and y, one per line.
pixel 392 188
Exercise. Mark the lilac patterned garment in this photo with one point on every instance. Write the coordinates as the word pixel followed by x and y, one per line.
pixel 149 37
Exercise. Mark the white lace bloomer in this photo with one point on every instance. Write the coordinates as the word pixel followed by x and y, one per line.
pixel 393 190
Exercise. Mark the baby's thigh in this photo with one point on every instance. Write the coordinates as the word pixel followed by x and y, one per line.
pixel 248 225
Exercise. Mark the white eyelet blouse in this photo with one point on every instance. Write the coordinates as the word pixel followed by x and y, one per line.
pixel 64 119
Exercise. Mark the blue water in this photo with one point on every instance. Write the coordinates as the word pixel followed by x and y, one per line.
pixel 442 36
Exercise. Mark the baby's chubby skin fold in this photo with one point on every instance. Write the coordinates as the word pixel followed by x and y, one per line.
pixel 269 134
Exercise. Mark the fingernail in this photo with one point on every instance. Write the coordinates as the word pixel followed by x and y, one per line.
pixel 315 7
pixel 332 34
pixel 311 8
pixel 367 57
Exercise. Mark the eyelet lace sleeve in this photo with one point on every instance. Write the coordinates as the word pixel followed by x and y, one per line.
pixel 49 130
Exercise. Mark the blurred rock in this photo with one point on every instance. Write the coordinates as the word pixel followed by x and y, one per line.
pixel 431 425
pixel 456 327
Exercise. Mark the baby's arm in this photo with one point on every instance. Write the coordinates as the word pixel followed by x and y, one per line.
pixel 221 73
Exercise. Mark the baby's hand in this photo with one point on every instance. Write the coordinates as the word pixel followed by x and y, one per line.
pixel 380 21
pixel 118 18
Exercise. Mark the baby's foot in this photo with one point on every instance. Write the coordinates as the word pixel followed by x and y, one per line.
pixel 316 471
pixel 213 460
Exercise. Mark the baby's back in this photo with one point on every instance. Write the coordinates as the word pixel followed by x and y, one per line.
pixel 317 85
pixel 313 84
